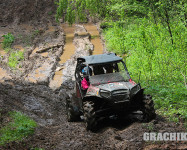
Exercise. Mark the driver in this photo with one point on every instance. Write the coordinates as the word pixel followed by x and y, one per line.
pixel 85 82
pixel 109 68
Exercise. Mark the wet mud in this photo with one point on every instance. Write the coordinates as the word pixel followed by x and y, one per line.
pixel 55 133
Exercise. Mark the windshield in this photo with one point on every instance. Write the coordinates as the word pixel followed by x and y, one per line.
pixel 108 78
pixel 106 73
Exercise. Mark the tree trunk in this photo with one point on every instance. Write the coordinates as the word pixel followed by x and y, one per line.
pixel 168 24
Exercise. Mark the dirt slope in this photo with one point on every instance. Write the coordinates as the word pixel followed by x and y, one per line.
pixel 26 11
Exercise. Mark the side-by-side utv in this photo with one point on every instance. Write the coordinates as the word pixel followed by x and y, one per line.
pixel 111 91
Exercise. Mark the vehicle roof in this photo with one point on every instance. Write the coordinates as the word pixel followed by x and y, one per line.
pixel 100 59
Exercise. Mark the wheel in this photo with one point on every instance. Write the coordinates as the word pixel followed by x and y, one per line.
pixel 70 112
pixel 148 109
pixel 89 115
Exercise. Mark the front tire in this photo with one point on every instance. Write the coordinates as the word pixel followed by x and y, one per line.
pixel 70 112
pixel 148 109
pixel 89 115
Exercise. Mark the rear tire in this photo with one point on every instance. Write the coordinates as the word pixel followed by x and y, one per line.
pixel 89 115
pixel 148 109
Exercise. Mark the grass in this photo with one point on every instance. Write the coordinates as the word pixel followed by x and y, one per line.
pixel 7 50
pixel 14 58
pixel 8 40
pixel 20 127
pixel 170 101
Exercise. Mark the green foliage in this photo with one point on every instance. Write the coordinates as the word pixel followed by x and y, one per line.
pixel 77 10
pixel 105 25
pixel 20 127
pixel 62 6
pixel 7 50
pixel 8 40
pixel 116 10
pixel 149 52
pixel 170 100
pixel 14 58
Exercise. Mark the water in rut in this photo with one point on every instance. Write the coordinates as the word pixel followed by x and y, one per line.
pixel 68 51
pixel 95 38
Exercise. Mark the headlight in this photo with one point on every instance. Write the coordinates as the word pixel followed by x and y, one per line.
pixel 105 93
pixel 135 89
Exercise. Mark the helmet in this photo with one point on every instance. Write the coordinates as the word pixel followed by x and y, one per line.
pixel 85 71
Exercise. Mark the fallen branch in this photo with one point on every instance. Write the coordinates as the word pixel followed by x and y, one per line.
pixel 47 48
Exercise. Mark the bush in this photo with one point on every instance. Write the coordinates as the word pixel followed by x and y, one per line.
pixel 8 40
pixel 20 127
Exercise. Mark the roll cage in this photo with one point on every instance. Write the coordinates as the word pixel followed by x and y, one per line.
pixel 92 61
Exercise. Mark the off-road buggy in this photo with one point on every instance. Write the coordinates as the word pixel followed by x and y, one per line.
pixel 111 91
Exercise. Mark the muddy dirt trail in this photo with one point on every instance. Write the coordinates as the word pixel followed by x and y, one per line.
pixel 39 89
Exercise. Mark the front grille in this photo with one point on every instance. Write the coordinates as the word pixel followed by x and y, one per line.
pixel 120 95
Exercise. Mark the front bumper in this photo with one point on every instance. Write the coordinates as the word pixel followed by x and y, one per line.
pixel 116 108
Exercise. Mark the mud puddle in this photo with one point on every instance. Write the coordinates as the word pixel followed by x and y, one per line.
pixel 69 50
pixel 95 38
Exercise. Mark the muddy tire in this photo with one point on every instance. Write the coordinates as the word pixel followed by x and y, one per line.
pixel 148 109
pixel 70 113
pixel 89 115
